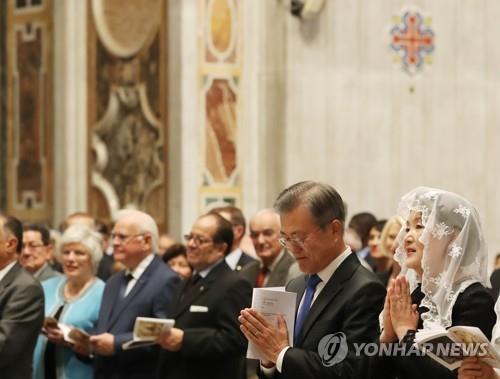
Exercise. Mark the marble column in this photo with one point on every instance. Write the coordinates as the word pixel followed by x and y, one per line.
pixel 70 113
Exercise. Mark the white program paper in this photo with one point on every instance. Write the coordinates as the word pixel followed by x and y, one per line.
pixel 271 302
pixel 147 330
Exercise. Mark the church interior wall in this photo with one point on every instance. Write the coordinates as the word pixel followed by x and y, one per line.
pixel 325 99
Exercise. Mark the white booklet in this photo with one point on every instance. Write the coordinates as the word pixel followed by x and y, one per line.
pixel 271 302
pixel 147 330
pixel 71 333
pixel 450 346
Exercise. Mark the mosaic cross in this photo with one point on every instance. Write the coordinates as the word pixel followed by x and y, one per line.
pixel 412 41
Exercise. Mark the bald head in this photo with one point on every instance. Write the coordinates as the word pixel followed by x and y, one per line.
pixel 268 215
pixel 79 218
pixel 265 231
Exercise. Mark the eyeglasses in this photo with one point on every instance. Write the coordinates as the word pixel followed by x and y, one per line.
pixel 290 242
pixel 266 233
pixel 122 238
pixel 196 239
pixel 32 245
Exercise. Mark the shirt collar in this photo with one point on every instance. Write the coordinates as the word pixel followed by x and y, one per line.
pixel 6 269
pixel 233 258
pixel 329 270
pixel 205 272
pixel 141 267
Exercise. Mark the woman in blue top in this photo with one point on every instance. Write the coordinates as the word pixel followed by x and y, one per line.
pixel 73 300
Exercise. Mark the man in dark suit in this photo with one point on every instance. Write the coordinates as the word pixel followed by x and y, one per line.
pixel 21 305
pixel 37 252
pixel 338 300
pixel 144 289
pixel 273 271
pixel 206 341
pixel 237 258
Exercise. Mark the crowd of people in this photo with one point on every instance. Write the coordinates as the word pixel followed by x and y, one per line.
pixel 69 301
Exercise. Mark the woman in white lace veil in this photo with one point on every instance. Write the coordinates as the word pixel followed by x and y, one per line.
pixel 443 258
pixel 454 252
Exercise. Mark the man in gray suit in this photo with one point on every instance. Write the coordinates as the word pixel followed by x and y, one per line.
pixel 276 261
pixel 37 252
pixel 21 305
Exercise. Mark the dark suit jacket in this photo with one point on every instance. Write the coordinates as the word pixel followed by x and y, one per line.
pixel 105 266
pixel 349 303
pixel 244 260
pixel 495 283
pixel 277 277
pixel 473 307
pixel 213 345
pixel 150 297
pixel 21 319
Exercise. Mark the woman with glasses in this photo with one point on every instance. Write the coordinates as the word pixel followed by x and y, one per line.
pixel 72 303
pixel 443 243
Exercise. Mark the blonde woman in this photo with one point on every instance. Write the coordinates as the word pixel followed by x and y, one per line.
pixel 387 248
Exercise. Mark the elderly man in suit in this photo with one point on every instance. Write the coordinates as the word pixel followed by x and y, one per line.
pixel 237 258
pixel 21 305
pixel 206 341
pixel 338 299
pixel 145 289
pixel 276 260
pixel 37 252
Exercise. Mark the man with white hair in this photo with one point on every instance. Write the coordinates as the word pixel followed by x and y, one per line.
pixel 143 289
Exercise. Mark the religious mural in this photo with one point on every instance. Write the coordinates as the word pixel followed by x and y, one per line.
pixel 127 108
pixel 220 71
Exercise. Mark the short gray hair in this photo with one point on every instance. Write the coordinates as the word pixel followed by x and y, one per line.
pixel 88 238
pixel 322 200
pixel 144 223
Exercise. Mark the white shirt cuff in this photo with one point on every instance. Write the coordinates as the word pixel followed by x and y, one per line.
pixel 279 361
pixel 269 371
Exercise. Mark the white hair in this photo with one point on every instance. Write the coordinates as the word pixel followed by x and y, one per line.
pixel 88 238
pixel 143 222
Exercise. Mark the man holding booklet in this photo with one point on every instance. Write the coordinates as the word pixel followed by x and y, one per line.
pixel 338 299
pixel 206 341
pixel 144 289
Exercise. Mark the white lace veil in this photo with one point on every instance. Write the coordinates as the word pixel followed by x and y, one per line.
pixel 455 254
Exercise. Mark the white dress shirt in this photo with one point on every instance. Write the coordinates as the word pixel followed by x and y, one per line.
pixel 137 272
pixel 233 257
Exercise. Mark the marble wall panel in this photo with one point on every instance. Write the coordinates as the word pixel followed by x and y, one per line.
pixel 29 110
pixel 220 70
